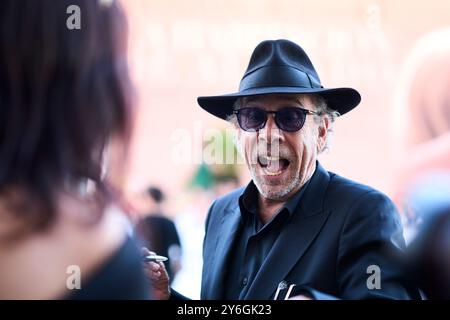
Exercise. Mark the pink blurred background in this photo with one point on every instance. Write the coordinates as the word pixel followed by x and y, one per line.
pixel 182 49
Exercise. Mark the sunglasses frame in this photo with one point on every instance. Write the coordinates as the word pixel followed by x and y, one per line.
pixel 267 112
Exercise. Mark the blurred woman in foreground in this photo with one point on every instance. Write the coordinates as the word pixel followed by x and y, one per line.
pixel 64 97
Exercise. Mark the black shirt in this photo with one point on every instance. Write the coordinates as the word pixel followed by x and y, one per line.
pixel 254 241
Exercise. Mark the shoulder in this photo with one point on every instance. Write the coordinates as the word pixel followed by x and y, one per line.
pixel 364 209
pixel 224 204
pixel 117 260
pixel 68 242
pixel 357 204
pixel 229 200
pixel 345 192
pixel 123 268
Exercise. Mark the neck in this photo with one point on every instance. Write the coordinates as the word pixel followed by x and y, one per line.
pixel 268 208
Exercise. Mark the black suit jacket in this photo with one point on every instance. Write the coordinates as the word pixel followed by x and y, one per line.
pixel 337 231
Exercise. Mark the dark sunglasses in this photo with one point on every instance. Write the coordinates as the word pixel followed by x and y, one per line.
pixel 288 119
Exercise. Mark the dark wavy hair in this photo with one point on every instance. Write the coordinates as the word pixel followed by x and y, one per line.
pixel 63 94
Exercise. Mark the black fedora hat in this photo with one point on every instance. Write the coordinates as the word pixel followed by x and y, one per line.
pixel 280 66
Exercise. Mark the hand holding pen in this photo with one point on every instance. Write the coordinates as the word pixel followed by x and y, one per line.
pixel 156 272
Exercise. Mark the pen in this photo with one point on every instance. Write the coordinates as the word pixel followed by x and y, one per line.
pixel 155 258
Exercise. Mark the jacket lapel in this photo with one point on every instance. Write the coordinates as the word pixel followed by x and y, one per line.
pixel 295 238
pixel 225 237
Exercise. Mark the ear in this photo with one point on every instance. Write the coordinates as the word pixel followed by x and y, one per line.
pixel 323 128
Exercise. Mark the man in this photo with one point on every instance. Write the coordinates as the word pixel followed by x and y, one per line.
pixel 295 229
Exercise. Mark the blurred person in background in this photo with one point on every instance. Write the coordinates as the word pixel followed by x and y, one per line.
pixel 295 229
pixel 156 232
pixel 208 182
pixel 423 127
pixel 423 185
pixel 428 259
pixel 64 98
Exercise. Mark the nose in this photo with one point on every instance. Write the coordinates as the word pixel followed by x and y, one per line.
pixel 270 133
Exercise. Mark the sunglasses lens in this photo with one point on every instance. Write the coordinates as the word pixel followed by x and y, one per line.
pixel 251 119
pixel 290 119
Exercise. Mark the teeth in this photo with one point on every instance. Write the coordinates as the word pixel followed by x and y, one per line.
pixel 269 170
pixel 271 158
pixel 270 173
pixel 266 159
pixel 273 174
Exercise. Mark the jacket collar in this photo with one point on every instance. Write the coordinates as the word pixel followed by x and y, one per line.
pixel 287 250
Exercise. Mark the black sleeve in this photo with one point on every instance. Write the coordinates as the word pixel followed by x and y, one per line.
pixel 208 218
pixel 371 240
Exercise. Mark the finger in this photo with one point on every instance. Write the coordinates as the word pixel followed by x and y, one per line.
pixel 152 272
pixel 145 251
pixel 154 266
pixel 155 277
pixel 146 266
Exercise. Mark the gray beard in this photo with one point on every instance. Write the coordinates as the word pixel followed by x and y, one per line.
pixel 272 194
pixel 295 183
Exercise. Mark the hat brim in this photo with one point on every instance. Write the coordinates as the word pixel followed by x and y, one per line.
pixel 340 99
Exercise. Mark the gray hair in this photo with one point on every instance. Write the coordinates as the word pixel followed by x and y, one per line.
pixel 321 108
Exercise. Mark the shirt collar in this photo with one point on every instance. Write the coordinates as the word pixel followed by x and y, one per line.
pixel 248 201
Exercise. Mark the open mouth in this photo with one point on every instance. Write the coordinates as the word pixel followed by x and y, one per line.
pixel 273 166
